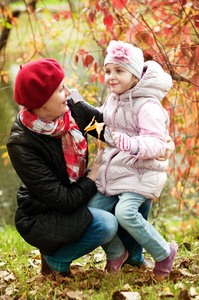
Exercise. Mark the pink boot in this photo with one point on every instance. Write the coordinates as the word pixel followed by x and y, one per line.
pixel 114 265
pixel 164 267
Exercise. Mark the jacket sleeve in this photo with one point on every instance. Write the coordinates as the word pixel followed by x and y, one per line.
pixel 41 167
pixel 152 123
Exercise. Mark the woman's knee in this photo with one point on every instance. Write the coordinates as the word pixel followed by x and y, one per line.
pixel 110 227
pixel 106 224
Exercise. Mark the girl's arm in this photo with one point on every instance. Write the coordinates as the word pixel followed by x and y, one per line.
pixel 152 139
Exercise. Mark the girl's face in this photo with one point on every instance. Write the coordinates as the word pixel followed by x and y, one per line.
pixel 56 104
pixel 118 79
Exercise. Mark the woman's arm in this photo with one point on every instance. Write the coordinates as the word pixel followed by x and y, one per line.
pixel 38 161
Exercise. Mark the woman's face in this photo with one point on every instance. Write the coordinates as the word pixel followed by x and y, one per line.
pixel 118 79
pixel 56 104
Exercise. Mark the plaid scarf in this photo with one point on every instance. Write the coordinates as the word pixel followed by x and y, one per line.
pixel 74 145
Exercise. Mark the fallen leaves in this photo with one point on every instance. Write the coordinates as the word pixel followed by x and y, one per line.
pixel 88 278
pixel 126 295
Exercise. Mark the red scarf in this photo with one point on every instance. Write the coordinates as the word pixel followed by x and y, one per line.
pixel 74 145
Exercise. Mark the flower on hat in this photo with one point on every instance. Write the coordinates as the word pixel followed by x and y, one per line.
pixel 120 51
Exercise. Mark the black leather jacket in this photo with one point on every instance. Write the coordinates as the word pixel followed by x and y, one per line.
pixel 51 212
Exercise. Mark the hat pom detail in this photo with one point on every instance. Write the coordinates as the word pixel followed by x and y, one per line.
pixel 120 51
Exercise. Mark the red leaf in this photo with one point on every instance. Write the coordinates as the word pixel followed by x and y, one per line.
pixel 93 78
pixel 92 15
pixel 184 49
pixel 97 6
pixel 138 36
pixel 147 57
pixel 108 20
pixel 197 52
pixel 189 144
pixel 131 33
pixel 195 81
pixel 119 4
pixel 95 67
pixel 66 14
pixel 193 48
pixel 196 20
pixel 176 41
pixel 56 17
pixel 101 79
pixel 82 52
pixel 147 38
pixel 106 12
pixel 192 63
pixel 84 59
pixel 76 58
pixel 102 5
pixel 88 60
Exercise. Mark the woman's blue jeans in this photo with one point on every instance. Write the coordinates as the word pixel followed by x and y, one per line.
pixel 127 212
pixel 101 230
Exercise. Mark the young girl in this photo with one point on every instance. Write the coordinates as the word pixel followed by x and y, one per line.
pixel 137 126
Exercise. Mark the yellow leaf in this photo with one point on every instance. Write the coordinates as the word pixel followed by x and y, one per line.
pixel 99 128
pixel 5 155
pixel 166 289
pixel 191 203
pixel 192 222
pixel 183 225
pixel 5 78
pixel 88 126
pixel 24 295
pixel 192 190
pixel 5 162
pixel 186 191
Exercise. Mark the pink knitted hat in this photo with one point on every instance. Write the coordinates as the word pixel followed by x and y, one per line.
pixel 126 55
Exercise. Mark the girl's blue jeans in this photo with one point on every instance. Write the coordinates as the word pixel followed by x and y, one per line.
pixel 101 230
pixel 127 212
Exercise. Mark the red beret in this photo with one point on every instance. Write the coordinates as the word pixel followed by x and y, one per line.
pixel 36 81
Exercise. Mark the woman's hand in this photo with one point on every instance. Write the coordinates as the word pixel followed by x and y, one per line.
pixel 98 157
pixel 97 164
pixel 169 150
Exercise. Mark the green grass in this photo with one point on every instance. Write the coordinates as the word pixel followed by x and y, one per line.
pixel 20 271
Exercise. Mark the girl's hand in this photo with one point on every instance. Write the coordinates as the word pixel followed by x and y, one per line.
pixel 125 142
pixel 169 150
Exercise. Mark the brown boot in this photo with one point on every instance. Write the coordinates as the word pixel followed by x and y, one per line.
pixel 47 270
